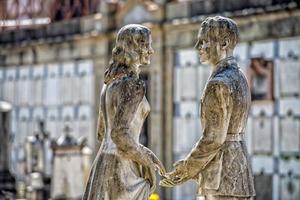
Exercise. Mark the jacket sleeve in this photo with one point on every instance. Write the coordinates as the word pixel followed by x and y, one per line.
pixel 100 122
pixel 128 97
pixel 215 112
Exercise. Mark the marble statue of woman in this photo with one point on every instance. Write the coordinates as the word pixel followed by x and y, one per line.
pixel 124 169
pixel 219 160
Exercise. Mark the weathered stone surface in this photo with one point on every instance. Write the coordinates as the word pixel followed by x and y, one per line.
pixel 225 105
pixel 122 102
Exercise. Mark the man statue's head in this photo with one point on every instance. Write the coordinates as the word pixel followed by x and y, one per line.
pixel 217 38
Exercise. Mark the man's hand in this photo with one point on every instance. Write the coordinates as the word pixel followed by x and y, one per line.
pixel 176 177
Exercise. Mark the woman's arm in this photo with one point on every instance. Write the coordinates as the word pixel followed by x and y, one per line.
pixel 128 97
pixel 101 123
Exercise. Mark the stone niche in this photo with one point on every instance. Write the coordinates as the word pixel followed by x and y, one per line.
pixel 260 75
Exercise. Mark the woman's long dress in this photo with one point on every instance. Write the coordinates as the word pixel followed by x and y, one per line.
pixel 113 176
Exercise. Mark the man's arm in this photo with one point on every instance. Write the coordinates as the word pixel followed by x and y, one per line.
pixel 216 112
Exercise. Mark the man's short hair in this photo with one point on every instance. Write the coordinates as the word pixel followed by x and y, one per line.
pixel 220 29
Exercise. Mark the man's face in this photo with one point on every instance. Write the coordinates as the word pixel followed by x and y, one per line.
pixel 146 51
pixel 209 50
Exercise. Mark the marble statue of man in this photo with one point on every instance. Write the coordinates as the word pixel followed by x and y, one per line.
pixel 219 160
pixel 124 169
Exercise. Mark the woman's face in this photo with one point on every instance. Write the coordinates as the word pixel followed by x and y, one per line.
pixel 146 51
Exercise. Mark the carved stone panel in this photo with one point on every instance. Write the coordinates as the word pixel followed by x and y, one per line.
pixel 263 108
pixel 85 124
pixel 24 125
pixel 9 85
pixel 188 109
pixel 68 118
pixel 67 84
pixel 177 82
pixel 53 123
pixel 52 97
pixel 24 86
pixel 187 57
pixel 186 134
pixel 262 135
pixel 289 165
pixel 289 74
pixel 189 88
pixel 85 80
pixel 290 135
pixel 264 49
pixel 290 188
pixel 289 48
pixel 38 114
pixel 262 164
pixel 1 82
pixel 289 106
pixel 37 85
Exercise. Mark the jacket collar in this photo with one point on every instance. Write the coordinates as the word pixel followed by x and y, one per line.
pixel 225 63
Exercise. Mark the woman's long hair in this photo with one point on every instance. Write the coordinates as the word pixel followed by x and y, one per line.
pixel 127 50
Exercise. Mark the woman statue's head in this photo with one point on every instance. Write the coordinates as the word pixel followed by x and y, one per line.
pixel 133 46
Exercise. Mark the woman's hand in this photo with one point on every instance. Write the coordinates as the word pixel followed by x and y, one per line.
pixel 155 162
pixel 159 167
